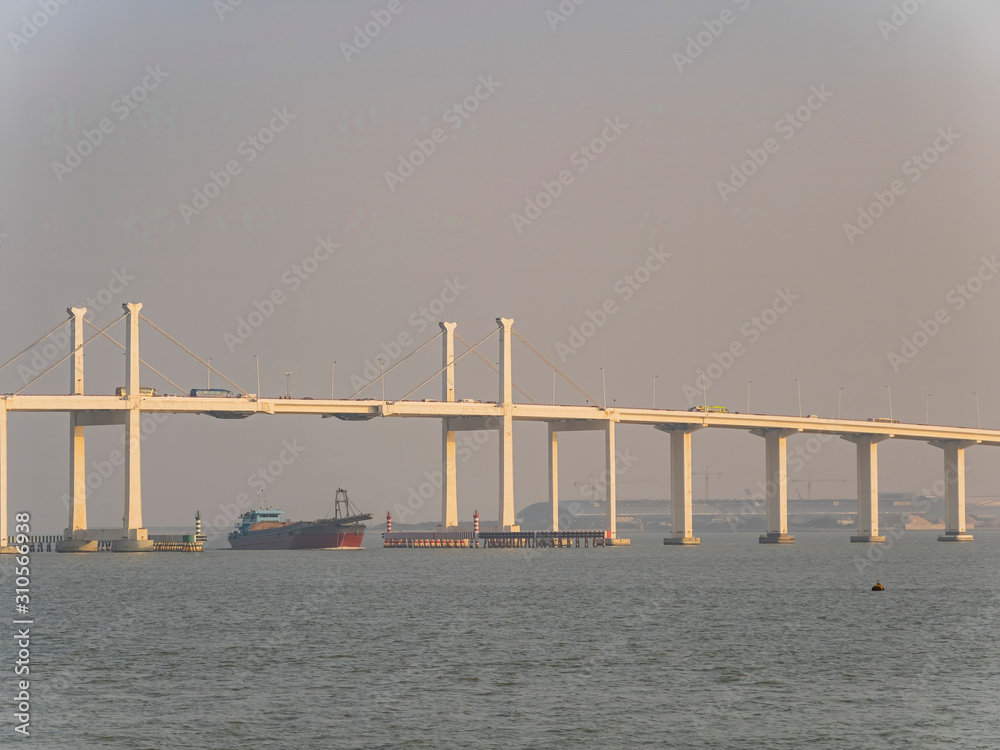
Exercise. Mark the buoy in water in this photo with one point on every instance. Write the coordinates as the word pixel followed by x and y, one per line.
pixel 878 586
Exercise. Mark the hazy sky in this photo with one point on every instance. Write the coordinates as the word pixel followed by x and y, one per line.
pixel 748 140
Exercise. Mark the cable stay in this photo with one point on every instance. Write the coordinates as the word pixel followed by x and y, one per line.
pixel 72 352
pixel 29 346
pixel 114 341
pixel 496 369
pixel 455 361
pixel 553 365
pixel 212 369
pixel 386 372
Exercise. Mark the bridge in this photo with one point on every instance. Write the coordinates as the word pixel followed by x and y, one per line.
pixel 88 410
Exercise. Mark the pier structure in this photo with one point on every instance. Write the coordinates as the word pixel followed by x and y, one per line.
pixel 127 409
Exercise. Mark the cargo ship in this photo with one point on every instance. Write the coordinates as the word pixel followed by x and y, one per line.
pixel 266 529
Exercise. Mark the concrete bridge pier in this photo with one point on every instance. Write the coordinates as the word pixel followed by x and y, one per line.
pixel 954 489
pixel 449 485
pixel 867 486
pixel 73 540
pixel 776 485
pixel 3 477
pixel 681 487
pixel 554 475
pixel 505 514
pixel 610 481
pixel 135 537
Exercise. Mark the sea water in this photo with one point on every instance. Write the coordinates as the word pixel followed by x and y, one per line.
pixel 730 644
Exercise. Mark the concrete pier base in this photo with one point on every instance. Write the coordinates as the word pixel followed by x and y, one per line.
pixel 774 537
pixel 77 545
pixel 954 536
pixel 8 550
pixel 867 538
pixel 682 540
pixel 132 545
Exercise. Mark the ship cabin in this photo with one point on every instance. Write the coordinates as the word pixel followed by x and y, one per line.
pixel 257 516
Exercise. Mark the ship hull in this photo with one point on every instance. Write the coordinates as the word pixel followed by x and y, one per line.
pixel 301 536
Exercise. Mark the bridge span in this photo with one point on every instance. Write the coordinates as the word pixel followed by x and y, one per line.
pixel 87 410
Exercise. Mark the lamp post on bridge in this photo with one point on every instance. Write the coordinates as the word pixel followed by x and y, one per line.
pixel 979 423
pixel 209 373
pixel 927 410
pixel 890 401
pixel 604 388
pixel 704 392
pixel 840 398
pixel 381 376
pixel 654 391
pixel 257 363
pixel 798 387
pixel 748 395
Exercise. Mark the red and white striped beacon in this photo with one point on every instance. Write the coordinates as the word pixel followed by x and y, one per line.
pixel 388 523
pixel 475 524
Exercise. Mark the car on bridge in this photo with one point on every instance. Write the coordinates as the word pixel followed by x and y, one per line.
pixel 715 409
pixel 890 420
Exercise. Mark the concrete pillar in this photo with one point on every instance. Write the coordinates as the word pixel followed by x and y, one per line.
pixel 554 475
pixel 77 448
pixel 776 486
pixel 134 533
pixel 681 490
pixel 3 477
pixel 610 483
pixel 954 490
pixel 505 515
pixel 449 485
pixel 867 446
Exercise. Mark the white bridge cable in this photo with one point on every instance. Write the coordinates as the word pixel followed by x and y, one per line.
pixel 455 361
pixel 114 341
pixel 234 385
pixel 496 369
pixel 553 365
pixel 71 353
pixel 37 341
pixel 383 374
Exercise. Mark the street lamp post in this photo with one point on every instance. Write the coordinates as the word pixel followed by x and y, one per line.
pixel 654 391
pixel 333 374
pixel 748 395
pixel 890 401
pixel 979 423
pixel 798 387
pixel 209 373
pixel 704 391
pixel 927 410
pixel 840 398
pixel 604 388
pixel 257 363
pixel 288 384
pixel 381 370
